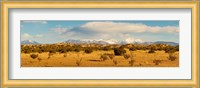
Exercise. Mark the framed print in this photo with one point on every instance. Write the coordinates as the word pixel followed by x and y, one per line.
pixel 100 44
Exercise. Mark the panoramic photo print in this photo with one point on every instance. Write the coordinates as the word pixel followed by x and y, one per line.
pixel 99 43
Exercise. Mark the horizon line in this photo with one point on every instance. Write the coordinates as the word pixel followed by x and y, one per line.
pixel 97 40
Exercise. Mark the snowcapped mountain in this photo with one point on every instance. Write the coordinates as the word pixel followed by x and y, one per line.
pixel 85 41
pixel 29 42
pixel 101 41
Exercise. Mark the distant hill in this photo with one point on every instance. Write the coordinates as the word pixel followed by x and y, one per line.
pixel 115 42
pixel 169 43
pixel 29 42
pixel 71 41
pixel 162 42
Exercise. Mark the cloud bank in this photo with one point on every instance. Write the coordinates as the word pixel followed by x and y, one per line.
pixel 114 31
pixel 106 27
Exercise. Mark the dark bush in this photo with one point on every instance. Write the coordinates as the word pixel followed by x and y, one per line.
pixel 151 51
pixel 52 51
pixel 77 49
pixel 157 62
pixel 115 61
pixel 88 50
pixel 78 62
pixel 171 49
pixel 132 49
pixel 69 49
pixel 119 51
pixel 131 62
pixel 177 48
pixel 34 56
pixel 39 51
pixel 172 57
pixel 126 56
pixel 122 46
pixel 111 56
pixel 62 50
pixel 104 57
pixel 107 48
pixel 27 51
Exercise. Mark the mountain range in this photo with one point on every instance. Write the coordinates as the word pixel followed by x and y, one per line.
pixel 71 41
pixel 29 42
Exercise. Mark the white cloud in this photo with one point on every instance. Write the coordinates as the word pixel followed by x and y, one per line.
pixel 58 29
pixel 139 40
pixel 127 28
pixel 129 32
pixel 26 36
pixel 34 21
pixel 38 36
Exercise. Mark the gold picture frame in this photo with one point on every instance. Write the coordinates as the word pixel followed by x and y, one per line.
pixel 194 82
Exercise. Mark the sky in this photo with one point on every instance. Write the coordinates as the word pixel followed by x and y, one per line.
pixel 54 31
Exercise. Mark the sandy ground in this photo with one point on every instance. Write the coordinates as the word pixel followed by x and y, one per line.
pixel 142 59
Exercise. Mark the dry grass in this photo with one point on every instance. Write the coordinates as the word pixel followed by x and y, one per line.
pixel 139 58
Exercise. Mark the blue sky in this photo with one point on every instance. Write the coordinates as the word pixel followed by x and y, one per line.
pixel 58 31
